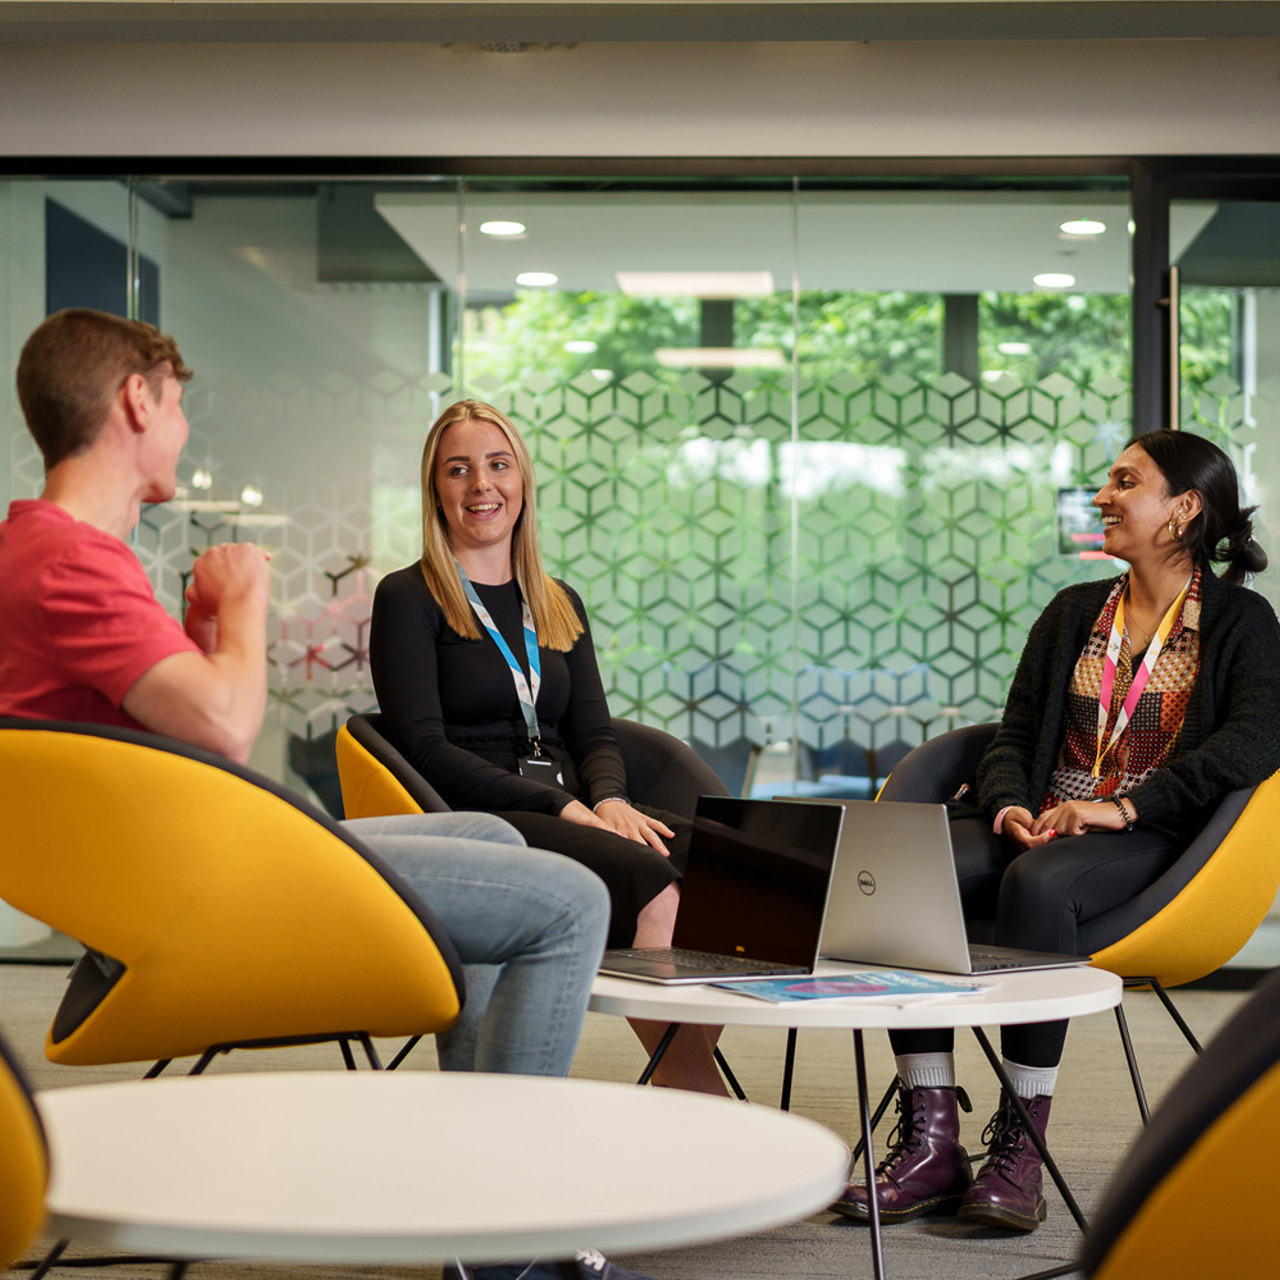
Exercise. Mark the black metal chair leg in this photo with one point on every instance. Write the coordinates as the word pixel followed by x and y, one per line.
pixel 178 1270
pixel 1032 1132
pixel 370 1052
pixel 1067 1269
pixel 157 1068
pixel 405 1050
pixel 47 1262
pixel 727 1072
pixel 1172 1010
pixel 1131 1058
pixel 203 1062
pixel 347 1056
pixel 788 1071
pixel 659 1053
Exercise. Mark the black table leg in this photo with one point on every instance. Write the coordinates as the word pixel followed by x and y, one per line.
pixel 788 1071
pixel 864 1113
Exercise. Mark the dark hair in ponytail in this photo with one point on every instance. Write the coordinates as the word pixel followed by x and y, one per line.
pixel 1223 531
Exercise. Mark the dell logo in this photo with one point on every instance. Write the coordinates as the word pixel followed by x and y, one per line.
pixel 866 882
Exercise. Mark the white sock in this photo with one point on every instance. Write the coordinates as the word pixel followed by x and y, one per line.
pixel 1028 1082
pixel 926 1070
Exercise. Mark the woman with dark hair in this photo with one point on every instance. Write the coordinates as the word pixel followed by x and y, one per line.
pixel 1137 705
pixel 488 683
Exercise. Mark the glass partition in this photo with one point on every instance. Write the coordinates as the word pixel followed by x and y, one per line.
pixel 812 452
pixel 1229 330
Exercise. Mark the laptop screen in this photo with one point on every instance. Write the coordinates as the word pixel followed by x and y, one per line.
pixel 757 878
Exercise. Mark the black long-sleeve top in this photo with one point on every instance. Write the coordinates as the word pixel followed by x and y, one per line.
pixel 1230 735
pixel 449 704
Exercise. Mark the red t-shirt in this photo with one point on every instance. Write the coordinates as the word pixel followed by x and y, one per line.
pixel 79 622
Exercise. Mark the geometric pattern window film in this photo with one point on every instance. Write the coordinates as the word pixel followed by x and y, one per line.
pixel 863 582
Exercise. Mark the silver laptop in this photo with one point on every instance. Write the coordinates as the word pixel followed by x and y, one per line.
pixel 895 899
pixel 753 897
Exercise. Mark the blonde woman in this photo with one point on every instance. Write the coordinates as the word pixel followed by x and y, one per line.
pixel 488 684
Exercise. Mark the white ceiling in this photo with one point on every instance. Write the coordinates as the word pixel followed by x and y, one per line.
pixel 939 242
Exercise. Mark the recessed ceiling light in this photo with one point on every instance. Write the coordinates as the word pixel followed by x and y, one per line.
pixel 537 279
pixel 1014 348
pixel 1054 280
pixel 1083 227
pixel 695 284
pixel 580 346
pixel 499 227
pixel 720 357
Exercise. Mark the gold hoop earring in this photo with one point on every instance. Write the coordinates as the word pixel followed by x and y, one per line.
pixel 1175 531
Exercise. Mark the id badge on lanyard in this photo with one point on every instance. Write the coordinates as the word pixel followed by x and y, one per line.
pixel 537 766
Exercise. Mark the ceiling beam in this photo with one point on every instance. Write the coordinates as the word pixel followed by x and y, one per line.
pixel 520 26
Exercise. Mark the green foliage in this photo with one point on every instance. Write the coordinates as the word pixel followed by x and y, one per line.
pixel 1079 336
pixel 1207 318
pixel 528 336
pixel 866 336
pixel 861 335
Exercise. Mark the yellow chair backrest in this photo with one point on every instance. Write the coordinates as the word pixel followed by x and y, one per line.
pixel 1215 1212
pixel 238 914
pixel 369 788
pixel 24 1164
pixel 1216 913
pixel 1195 1194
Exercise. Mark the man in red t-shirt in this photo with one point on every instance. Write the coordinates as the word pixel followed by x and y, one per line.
pixel 84 638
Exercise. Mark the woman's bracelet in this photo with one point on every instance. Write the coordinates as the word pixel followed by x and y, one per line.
pixel 609 800
pixel 1124 813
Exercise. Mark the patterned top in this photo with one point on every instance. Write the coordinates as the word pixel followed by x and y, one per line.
pixel 1152 733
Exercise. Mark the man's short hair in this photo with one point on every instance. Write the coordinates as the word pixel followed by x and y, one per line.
pixel 72 367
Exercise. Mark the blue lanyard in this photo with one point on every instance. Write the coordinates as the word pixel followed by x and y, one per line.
pixel 527 697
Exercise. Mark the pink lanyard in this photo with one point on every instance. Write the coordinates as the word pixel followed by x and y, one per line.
pixel 1140 677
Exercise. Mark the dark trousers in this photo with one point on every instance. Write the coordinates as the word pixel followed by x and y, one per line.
pixel 1038 899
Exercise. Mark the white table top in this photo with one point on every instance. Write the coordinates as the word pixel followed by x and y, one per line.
pixel 1039 995
pixel 380 1167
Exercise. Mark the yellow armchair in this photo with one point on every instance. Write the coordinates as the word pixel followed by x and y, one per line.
pixel 24 1163
pixel 220 909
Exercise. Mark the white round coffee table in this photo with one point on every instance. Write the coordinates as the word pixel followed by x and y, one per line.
pixel 1037 995
pixel 1040 995
pixel 375 1167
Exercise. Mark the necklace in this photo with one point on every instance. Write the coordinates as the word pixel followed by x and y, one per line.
pixel 1144 634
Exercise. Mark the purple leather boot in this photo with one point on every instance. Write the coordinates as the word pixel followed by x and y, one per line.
pixel 1007 1190
pixel 926 1169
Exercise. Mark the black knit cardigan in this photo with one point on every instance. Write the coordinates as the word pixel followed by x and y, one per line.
pixel 1230 736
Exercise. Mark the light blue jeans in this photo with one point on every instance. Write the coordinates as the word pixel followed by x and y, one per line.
pixel 528 925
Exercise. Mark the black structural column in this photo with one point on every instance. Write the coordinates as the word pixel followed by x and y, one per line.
pixel 1150 347
pixel 960 334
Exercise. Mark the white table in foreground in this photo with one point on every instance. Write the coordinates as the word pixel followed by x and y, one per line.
pixel 1038 995
pixel 415 1166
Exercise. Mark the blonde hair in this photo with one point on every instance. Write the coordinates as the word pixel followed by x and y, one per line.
pixel 554 617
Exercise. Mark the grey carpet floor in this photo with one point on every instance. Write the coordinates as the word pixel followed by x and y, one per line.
pixel 1094 1120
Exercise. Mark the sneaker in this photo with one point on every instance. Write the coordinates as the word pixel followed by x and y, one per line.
pixel 592 1265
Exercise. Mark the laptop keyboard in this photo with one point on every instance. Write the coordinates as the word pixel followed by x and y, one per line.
pixel 989 961
pixel 697 959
